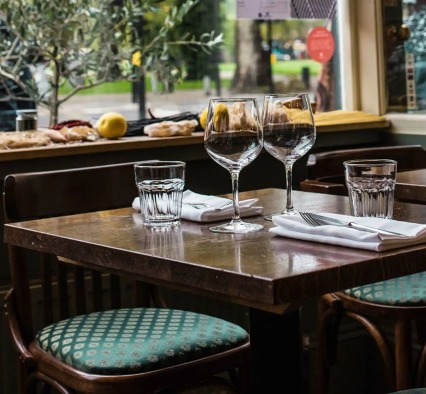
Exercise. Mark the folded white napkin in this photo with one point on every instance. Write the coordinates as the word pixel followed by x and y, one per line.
pixel 296 227
pixel 217 208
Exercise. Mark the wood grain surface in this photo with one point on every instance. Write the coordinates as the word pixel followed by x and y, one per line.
pixel 258 269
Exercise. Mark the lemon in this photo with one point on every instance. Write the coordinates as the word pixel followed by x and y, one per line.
pixel 111 125
pixel 203 118
pixel 221 117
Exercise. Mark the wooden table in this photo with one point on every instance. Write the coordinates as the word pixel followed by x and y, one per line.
pixel 411 186
pixel 349 131
pixel 270 274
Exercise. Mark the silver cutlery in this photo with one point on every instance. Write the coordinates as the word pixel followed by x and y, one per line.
pixel 318 220
pixel 203 205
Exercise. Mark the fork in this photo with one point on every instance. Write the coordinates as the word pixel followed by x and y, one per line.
pixel 202 205
pixel 308 218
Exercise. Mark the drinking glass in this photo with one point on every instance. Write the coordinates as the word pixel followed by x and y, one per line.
pixel 160 185
pixel 233 138
pixel 289 133
pixel 371 186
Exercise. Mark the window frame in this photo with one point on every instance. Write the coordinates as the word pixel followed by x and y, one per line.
pixel 363 64
pixel 362 56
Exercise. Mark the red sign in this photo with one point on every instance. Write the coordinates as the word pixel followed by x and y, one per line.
pixel 320 44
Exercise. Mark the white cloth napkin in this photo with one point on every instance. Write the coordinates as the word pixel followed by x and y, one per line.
pixel 296 227
pixel 214 213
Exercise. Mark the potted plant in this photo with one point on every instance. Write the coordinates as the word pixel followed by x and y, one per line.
pixel 85 43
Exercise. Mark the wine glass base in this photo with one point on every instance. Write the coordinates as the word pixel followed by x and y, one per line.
pixel 236 228
pixel 288 212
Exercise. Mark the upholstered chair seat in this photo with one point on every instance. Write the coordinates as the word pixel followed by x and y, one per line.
pixel 135 340
pixel 408 290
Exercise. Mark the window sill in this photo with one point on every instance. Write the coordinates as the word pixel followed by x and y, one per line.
pixel 407 123
pixel 343 120
pixel 336 122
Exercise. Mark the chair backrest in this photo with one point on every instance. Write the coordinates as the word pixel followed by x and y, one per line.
pixel 325 172
pixel 36 195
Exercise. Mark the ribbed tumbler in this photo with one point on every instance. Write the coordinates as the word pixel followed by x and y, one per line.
pixel 160 185
pixel 371 186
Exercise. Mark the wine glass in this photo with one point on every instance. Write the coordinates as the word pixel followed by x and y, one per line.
pixel 289 132
pixel 233 138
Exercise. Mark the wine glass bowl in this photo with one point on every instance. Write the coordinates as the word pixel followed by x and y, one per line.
pixel 233 138
pixel 289 133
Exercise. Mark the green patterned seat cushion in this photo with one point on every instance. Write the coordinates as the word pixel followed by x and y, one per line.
pixel 133 340
pixel 404 291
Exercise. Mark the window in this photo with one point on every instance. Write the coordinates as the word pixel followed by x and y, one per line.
pixel 367 70
pixel 361 71
pixel 284 41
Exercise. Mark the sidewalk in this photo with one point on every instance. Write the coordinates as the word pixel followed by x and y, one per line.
pixel 91 107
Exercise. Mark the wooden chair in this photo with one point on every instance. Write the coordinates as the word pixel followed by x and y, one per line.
pixel 325 170
pixel 401 301
pixel 67 348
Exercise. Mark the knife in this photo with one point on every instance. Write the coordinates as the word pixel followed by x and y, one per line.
pixel 336 222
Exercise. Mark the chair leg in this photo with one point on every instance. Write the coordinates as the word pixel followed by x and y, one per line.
pixel 421 368
pixel 331 312
pixel 329 317
pixel 46 382
pixel 240 379
pixel 421 331
pixel 382 345
pixel 403 361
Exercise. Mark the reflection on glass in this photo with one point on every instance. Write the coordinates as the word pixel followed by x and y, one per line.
pixel 405 49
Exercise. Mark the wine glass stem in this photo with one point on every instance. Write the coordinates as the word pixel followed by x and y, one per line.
pixel 235 198
pixel 289 180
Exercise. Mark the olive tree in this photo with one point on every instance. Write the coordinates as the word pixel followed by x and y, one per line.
pixel 85 43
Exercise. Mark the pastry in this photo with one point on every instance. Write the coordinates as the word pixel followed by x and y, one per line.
pixel 23 139
pixel 77 130
pixel 170 128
